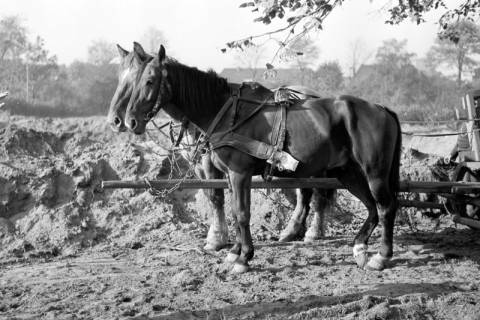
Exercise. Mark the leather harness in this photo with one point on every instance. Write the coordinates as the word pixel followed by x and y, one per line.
pixel 282 98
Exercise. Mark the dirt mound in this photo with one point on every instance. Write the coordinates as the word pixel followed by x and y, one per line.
pixel 50 186
pixel 27 142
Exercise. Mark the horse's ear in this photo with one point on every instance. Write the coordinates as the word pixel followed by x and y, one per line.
pixel 122 52
pixel 139 53
pixel 161 54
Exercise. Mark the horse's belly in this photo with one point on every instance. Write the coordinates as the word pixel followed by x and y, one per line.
pixel 317 148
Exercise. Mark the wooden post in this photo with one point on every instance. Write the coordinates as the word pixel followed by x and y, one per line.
pixel 3 95
pixel 474 134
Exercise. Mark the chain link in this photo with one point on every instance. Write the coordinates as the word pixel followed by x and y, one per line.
pixel 172 156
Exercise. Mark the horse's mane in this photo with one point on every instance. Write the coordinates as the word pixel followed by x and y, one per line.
pixel 199 91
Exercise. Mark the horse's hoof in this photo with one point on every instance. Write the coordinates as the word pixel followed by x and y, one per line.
pixel 239 268
pixel 231 257
pixel 311 237
pixel 292 233
pixel 286 238
pixel 216 241
pixel 313 234
pixel 360 254
pixel 214 246
pixel 376 263
pixel 308 239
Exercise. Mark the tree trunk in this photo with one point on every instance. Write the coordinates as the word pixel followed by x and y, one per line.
pixel 459 70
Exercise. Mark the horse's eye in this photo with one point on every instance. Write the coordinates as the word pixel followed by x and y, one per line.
pixel 149 82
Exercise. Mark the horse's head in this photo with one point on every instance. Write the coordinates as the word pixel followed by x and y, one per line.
pixel 151 91
pixel 127 73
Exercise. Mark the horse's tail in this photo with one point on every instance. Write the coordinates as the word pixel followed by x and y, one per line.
pixel 394 178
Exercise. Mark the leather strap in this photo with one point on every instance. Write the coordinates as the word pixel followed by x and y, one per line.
pixel 219 116
pixel 183 127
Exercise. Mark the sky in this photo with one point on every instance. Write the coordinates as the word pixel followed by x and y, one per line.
pixel 196 30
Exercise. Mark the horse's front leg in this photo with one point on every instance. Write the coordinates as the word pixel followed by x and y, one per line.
pixel 242 251
pixel 217 237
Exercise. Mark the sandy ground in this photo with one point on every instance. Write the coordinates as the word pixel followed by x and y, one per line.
pixel 70 250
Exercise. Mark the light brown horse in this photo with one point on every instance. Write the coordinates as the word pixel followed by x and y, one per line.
pixel 348 138
pixel 217 236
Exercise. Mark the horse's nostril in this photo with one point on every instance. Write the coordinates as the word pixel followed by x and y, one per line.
pixel 133 124
pixel 117 121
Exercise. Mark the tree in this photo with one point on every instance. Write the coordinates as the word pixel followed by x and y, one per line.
pixel 251 58
pixel 40 67
pixel 392 55
pixel 303 54
pixel 393 80
pixel 13 38
pixel 329 78
pixel 25 65
pixel 456 47
pixel 303 16
pixel 152 38
pixel 357 55
pixel 101 52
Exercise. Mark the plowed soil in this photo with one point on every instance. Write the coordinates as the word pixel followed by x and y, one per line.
pixel 71 250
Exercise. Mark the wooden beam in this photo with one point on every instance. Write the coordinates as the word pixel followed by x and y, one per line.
pixel 420 204
pixel 466 221
pixel 257 183
pixel 287 183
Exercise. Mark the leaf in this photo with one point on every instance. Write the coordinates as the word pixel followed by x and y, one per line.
pixel 269 66
pixel 223 50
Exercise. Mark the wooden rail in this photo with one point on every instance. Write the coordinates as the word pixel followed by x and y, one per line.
pixel 446 189
pixel 287 183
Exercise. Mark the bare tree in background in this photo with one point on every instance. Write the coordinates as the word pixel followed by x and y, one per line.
pixel 101 52
pixel 152 38
pixel 358 55
pixel 251 58
pixel 304 54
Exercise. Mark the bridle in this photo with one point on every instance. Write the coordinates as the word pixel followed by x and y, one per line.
pixel 164 94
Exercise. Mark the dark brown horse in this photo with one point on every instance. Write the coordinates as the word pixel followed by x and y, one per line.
pixel 217 236
pixel 347 138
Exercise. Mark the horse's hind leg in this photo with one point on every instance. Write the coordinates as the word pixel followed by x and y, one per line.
pixel 354 180
pixel 387 205
pixel 295 228
pixel 322 202
pixel 217 237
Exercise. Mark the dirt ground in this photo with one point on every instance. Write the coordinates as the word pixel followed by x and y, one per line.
pixel 71 250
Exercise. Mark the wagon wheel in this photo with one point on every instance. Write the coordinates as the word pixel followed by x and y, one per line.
pixel 458 206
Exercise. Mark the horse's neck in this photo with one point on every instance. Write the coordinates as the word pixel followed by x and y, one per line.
pixel 196 95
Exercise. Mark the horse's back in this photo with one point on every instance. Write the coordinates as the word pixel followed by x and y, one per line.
pixel 330 131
